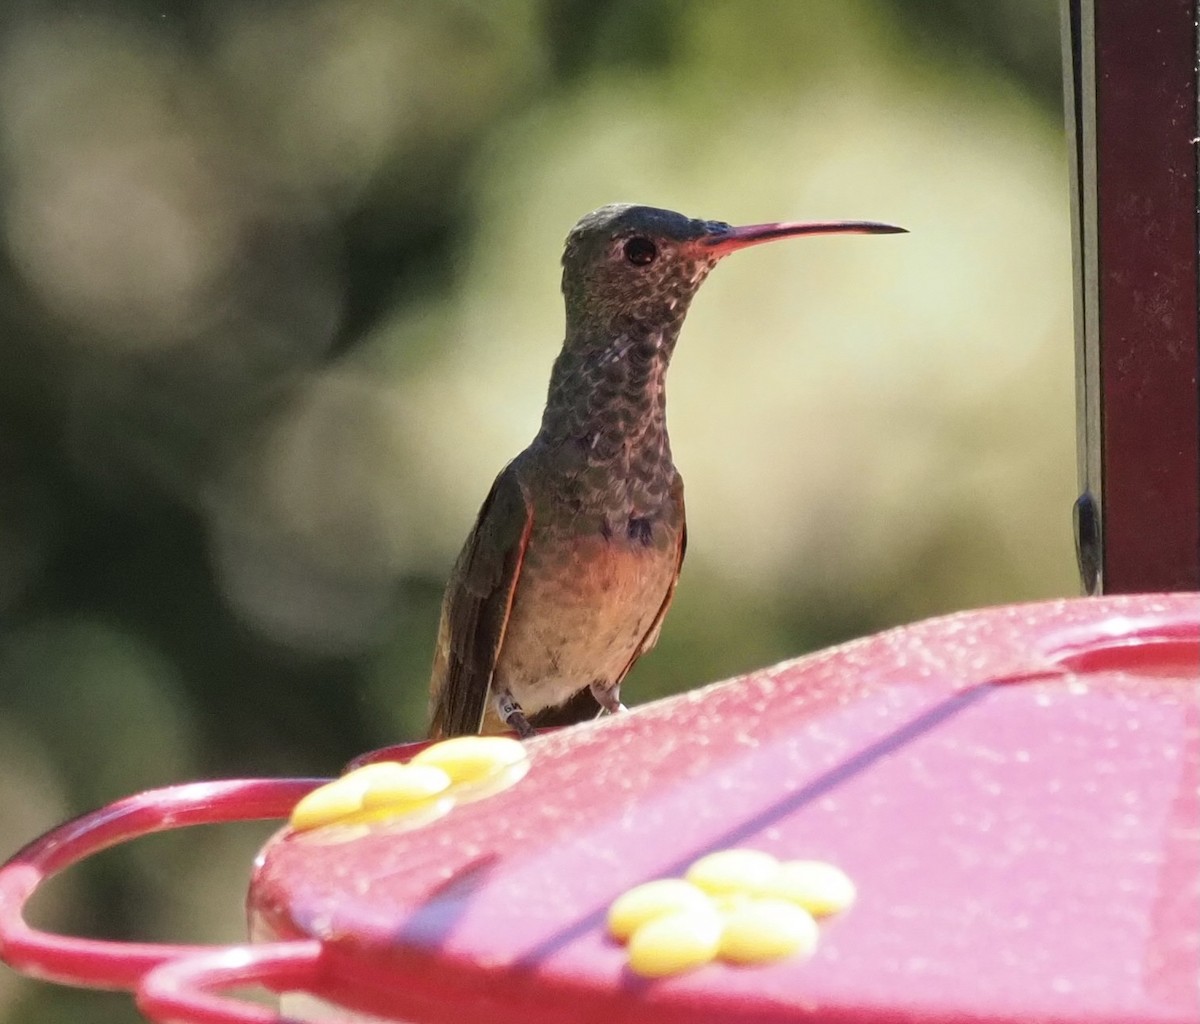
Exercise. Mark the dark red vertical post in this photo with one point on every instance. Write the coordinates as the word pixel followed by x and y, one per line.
pixel 1132 113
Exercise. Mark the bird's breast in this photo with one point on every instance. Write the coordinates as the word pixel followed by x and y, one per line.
pixel 583 606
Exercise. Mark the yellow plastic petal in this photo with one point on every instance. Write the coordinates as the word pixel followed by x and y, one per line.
pixel 732 871
pixel 652 900
pixel 675 943
pixel 404 784
pixel 761 930
pixel 471 758
pixel 325 805
pixel 478 766
pixel 818 887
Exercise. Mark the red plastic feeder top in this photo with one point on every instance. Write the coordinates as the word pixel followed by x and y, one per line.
pixel 1015 793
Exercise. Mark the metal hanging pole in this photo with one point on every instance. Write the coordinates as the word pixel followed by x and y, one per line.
pixel 1132 116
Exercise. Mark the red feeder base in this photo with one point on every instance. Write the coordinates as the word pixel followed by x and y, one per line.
pixel 1015 792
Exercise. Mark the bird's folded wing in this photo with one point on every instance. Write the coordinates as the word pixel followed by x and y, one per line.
pixel 476 608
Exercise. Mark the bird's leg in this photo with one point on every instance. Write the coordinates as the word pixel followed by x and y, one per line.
pixel 608 697
pixel 512 715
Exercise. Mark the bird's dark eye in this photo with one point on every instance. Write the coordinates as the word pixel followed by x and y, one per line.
pixel 640 251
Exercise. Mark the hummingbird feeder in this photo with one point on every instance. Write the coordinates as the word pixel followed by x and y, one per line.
pixel 1013 793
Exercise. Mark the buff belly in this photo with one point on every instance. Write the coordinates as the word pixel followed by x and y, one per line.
pixel 582 609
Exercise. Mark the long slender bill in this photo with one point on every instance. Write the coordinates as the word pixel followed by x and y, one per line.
pixel 722 242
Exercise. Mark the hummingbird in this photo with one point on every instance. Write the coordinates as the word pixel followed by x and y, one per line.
pixel 569 570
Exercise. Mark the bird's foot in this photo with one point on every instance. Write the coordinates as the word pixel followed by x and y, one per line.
pixel 608 697
pixel 513 716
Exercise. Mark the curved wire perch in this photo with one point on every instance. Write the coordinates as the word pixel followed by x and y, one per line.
pixel 109 964
pixel 181 991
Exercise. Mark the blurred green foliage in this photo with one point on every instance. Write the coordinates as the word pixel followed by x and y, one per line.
pixel 278 297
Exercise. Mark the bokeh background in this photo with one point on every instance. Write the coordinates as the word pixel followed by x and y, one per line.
pixel 279 296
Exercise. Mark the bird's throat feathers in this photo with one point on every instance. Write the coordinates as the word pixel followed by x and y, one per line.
pixel 608 386
pixel 603 440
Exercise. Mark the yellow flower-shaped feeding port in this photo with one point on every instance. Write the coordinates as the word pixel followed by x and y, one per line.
pixel 455 771
pixel 738 906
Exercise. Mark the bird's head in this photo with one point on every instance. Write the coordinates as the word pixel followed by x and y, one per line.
pixel 642 264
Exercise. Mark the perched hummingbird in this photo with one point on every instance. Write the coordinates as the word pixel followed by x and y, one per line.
pixel 565 579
